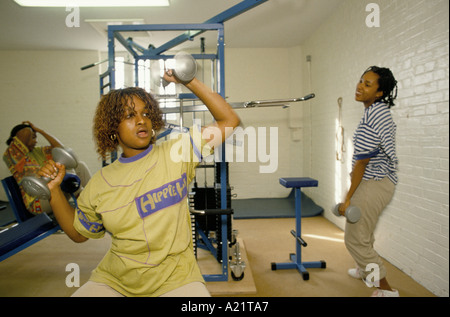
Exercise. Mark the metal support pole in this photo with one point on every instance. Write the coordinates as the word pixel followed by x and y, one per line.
pixel 111 59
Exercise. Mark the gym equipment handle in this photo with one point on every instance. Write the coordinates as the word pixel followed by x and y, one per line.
pixel 310 96
pixel 276 101
pixel 93 64
pixel 212 211
pixel 299 239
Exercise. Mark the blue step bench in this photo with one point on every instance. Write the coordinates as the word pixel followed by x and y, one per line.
pixel 25 234
pixel 296 258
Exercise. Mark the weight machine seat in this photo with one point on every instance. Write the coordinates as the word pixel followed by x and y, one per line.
pixel 296 258
pixel 14 195
pixel 25 234
pixel 70 184
pixel 30 228
pixel 298 182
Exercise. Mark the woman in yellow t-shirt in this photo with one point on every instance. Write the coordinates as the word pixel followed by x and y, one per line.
pixel 140 199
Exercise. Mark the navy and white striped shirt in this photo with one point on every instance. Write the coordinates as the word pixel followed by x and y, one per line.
pixel 374 138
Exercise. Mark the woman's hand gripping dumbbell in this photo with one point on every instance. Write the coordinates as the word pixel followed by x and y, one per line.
pixel 184 69
pixel 37 186
pixel 352 213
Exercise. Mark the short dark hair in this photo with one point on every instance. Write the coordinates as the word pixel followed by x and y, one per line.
pixel 15 130
pixel 387 84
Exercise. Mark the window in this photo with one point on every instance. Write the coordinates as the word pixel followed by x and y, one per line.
pixel 120 72
pixel 151 82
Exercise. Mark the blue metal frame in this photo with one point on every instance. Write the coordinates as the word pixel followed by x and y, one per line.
pixel 12 191
pixel 192 30
pixel 21 214
pixel 29 243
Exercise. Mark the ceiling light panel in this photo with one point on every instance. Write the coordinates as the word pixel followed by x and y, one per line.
pixel 93 3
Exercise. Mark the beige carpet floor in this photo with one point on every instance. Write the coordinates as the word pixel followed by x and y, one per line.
pixel 40 270
pixel 270 240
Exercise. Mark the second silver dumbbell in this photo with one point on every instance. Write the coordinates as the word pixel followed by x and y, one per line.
pixel 352 213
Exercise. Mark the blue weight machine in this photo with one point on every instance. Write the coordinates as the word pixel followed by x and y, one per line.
pixel 218 247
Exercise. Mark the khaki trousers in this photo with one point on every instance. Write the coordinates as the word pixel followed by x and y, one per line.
pixel 94 289
pixel 371 197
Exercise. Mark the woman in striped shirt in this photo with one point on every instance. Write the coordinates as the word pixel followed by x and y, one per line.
pixel 373 177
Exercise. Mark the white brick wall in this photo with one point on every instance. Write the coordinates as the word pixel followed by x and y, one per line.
pixel 261 74
pixel 412 40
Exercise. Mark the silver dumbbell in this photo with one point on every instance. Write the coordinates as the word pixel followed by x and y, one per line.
pixel 352 213
pixel 37 186
pixel 184 70
pixel 185 67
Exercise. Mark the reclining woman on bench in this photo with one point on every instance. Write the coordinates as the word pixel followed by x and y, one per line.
pixel 141 198
pixel 24 158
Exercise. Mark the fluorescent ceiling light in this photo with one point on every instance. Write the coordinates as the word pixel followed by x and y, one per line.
pixel 115 21
pixel 93 3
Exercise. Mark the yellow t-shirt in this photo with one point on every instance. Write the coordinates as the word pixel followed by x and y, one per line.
pixel 142 202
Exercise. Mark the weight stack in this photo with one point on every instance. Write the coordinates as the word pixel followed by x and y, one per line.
pixel 210 198
pixel 218 192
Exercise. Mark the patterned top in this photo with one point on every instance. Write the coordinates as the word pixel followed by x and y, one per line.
pixel 21 162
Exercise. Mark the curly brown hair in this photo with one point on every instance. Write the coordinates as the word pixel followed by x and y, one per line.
pixel 110 112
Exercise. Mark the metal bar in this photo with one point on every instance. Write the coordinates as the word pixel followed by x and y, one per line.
pixel 165 57
pixel 235 11
pixel 220 18
pixel 299 239
pixel 103 86
pixel 135 45
pixel 136 73
pixel 93 64
pixel 215 277
pixel 222 164
pixel 298 223
pixel 214 211
pixel 201 108
pixel 129 44
pixel 165 27
pixel 221 63
pixel 187 36
pixel 102 80
pixel 124 42
pixel 206 242
pixel 257 103
pixel 29 243
pixel 111 59
pixel 213 86
pixel 234 105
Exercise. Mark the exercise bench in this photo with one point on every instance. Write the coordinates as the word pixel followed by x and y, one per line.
pixel 29 229
pixel 25 234
pixel 296 259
